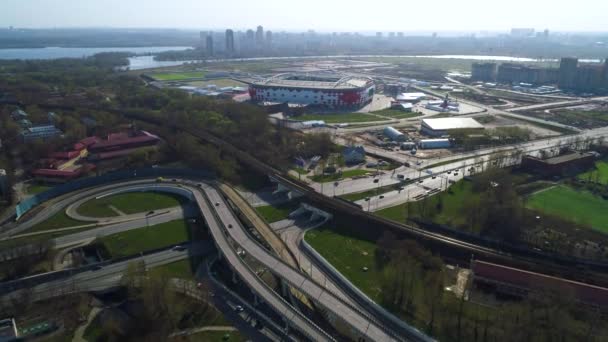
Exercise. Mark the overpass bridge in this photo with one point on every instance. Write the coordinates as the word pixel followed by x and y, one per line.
pixel 222 221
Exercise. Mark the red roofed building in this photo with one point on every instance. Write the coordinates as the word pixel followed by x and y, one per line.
pixel 518 282
pixel 65 155
pixel 61 176
pixel 120 141
pixel 89 141
pixel 111 154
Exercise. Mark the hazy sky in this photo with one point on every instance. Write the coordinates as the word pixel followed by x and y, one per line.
pixel 320 15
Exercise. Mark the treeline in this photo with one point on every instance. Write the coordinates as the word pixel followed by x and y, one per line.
pixel 413 286
pixel 95 83
pixel 244 126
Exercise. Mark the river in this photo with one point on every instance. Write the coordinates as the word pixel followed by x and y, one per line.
pixel 146 62
pixel 78 52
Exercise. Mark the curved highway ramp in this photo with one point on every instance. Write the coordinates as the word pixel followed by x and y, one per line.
pixel 367 329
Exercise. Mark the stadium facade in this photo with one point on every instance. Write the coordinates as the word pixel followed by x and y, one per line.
pixel 327 90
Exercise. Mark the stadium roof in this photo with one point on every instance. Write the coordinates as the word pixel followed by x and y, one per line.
pixel 444 124
pixel 319 80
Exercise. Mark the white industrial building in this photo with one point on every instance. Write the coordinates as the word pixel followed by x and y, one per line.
pixel 443 126
pixel 393 134
pixel 410 97
pixel 434 143
pixel 403 106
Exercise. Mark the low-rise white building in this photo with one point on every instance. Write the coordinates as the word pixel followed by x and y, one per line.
pixel 443 126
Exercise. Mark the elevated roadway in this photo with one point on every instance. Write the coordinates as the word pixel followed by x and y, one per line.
pixel 292 316
pixel 365 326
pixel 100 279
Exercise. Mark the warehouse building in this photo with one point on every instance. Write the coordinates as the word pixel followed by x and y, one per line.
pixel 410 97
pixel 40 132
pixel 393 134
pixel 427 144
pixel 354 155
pixel 565 164
pixel 443 126
pixel 519 283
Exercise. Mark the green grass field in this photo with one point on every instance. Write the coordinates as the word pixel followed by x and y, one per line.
pixel 396 114
pixel 578 206
pixel 340 117
pixel 129 203
pixel 301 171
pixel 276 213
pixel 548 126
pixel 147 238
pixel 180 269
pixel 598 116
pixel 177 76
pixel 451 212
pixel 220 82
pixel 349 258
pixel 601 172
pixel 34 189
pixel 339 176
pixel 59 220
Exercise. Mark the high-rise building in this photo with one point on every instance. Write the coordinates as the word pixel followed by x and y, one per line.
pixel 522 32
pixel 567 72
pixel 268 38
pixel 259 36
pixel 249 40
pixel 250 35
pixel 484 72
pixel 378 34
pixel 400 34
pixel 209 44
pixel 203 37
pixel 606 73
pixel 229 41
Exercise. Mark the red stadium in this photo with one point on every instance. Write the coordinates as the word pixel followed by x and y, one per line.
pixel 324 89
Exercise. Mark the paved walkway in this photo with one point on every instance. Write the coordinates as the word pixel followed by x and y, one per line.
pixel 201 329
pixel 116 210
pixel 78 334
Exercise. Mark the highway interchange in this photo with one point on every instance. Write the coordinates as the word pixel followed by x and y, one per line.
pixel 227 232
pixel 231 237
